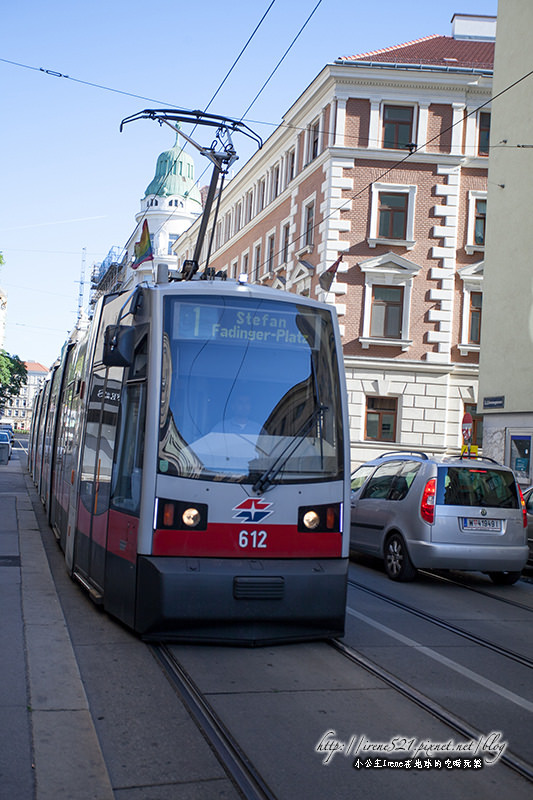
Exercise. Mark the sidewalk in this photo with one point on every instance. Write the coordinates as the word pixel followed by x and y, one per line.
pixel 48 745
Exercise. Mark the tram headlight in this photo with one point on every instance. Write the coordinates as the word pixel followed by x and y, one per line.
pixel 191 517
pixel 180 515
pixel 320 518
pixel 311 520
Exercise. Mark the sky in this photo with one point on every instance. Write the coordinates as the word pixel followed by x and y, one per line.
pixel 71 183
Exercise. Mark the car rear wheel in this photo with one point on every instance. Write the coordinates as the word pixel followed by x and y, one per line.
pixel 398 565
pixel 504 578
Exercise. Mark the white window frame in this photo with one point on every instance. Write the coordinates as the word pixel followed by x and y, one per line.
pixel 256 263
pixel 271 234
pixel 249 206
pixel 471 246
pixel 414 125
pixel 392 188
pixel 291 158
pixel 472 277
pixel 245 263
pixel 238 216
pixel 261 195
pixel 275 187
pixel 389 269
pixel 315 125
pixel 285 223
pixel 305 247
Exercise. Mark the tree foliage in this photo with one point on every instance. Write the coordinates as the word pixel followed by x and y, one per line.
pixel 13 375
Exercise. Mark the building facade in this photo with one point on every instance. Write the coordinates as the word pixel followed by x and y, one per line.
pixel 19 409
pixel 382 162
pixel 506 396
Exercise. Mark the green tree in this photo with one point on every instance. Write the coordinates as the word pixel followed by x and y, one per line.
pixel 13 375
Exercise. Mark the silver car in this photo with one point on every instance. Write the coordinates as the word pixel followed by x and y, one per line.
pixel 6 439
pixel 419 512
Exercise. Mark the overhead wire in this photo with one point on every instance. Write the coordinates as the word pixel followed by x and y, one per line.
pixel 235 62
pixel 282 59
pixel 54 73
pixel 293 42
pixel 409 155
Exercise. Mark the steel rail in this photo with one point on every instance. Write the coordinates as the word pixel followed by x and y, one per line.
pixel 231 756
pixel 478 590
pixel 457 724
pixel 472 637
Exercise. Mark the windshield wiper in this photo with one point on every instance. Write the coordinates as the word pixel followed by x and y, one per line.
pixel 275 468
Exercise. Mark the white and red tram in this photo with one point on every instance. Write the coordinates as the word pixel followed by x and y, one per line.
pixel 192 451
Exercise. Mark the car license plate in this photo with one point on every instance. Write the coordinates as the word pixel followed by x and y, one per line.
pixel 475 524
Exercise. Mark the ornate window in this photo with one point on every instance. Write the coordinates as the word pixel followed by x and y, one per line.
pixel 483 133
pixel 392 215
pixel 472 277
pixel 380 420
pixel 387 300
pixel 475 230
pixel 397 127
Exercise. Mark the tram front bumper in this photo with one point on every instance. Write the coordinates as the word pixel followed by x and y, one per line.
pixel 240 601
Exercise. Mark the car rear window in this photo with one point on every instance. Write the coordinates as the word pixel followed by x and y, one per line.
pixel 477 486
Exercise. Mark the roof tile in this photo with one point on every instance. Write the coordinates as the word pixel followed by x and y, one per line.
pixel 434 50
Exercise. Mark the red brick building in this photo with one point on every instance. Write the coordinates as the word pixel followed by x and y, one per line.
pixel 383 160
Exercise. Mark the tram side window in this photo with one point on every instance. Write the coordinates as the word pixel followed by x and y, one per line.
pixel 127 469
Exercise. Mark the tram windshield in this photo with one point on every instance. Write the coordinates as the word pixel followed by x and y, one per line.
pixel 250 392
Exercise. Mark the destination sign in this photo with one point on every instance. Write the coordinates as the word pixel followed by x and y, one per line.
pixel 234 324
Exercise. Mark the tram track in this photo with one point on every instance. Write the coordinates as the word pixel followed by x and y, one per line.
pixel 231 756
pixel 454 722
pixel 238 765
pixel 455 582
pixel 441 623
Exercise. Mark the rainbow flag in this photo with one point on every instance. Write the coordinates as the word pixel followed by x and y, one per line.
pixel 143 248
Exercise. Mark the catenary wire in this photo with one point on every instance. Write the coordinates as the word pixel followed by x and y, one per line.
pixel 398 163
pixel 409 155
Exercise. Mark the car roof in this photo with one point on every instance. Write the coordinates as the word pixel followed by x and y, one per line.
pixel 445 460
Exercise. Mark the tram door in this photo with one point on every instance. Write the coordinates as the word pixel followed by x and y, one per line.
pixel 96 465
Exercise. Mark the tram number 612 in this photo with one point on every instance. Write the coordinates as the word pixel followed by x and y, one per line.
pixel 253 539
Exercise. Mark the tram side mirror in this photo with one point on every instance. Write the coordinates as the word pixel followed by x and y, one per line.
pixel 119 343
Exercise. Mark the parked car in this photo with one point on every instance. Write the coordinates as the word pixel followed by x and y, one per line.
pixel 528 497
pixel 419 512
pixel 5 438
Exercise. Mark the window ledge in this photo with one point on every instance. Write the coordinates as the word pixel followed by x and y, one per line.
pixel 407 243
pixel 465 348
pixel 308 248
pixel 366 341
pixel 474 248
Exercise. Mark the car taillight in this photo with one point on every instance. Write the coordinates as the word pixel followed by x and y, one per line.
pixel 427 506
pixel 524 509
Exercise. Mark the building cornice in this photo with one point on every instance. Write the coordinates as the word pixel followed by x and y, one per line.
pixel 404 364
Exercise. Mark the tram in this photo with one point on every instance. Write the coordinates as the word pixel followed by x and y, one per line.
pixel 191 449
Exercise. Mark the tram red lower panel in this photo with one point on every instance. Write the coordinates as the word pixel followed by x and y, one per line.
pixel 228 540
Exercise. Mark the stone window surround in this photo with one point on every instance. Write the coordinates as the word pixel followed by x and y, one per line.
pixel 388 270
pixel 392 188
pixel 471 246
pixel 472 277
